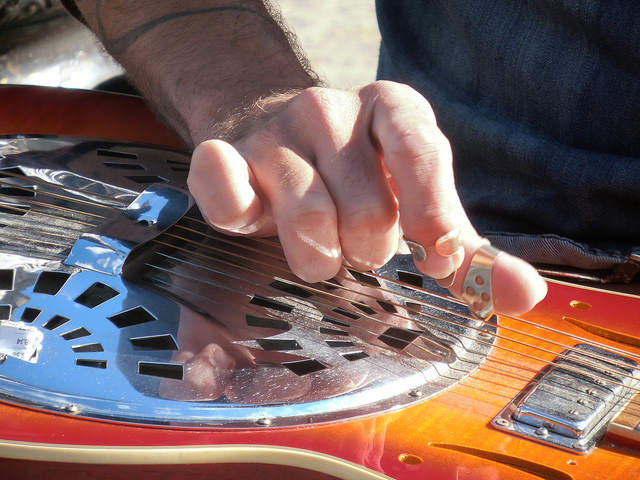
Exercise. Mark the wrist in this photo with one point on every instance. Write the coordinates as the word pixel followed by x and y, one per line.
pixel 208 120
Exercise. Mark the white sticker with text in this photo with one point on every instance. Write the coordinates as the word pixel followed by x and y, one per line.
pixel 20 341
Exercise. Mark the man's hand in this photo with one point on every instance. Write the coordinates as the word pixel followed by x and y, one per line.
pixel 343 174
pixel 334 173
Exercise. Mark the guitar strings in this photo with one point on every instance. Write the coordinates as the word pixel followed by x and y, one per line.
pixel 42 214
pixel 621 395
pixel 448 332
pixel 583 372
pixel 506 338
pixel 479 363
pixel 511 317
pixel 418 301
pixel 54 195
pixel 40 181
pixel 609 360
pixel 277 245
pixel 269 287
pixel 273 244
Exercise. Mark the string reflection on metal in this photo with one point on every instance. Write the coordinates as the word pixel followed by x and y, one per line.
pixel 292 320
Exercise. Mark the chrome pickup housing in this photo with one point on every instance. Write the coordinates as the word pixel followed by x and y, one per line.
pixel 570 403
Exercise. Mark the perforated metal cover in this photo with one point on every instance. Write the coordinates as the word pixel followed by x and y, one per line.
pixel 201 329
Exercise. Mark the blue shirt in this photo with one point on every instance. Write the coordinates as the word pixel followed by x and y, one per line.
pixel 541 102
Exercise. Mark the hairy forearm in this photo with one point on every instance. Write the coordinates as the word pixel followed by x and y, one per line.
pixel 199 61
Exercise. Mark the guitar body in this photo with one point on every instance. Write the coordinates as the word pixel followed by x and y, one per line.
pixel 447 436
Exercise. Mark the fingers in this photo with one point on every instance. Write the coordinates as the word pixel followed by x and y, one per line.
pixel 225 181
pixel 336 174
pixel 419 158
pixel 302 208
pixel 220 181
pixel 352 171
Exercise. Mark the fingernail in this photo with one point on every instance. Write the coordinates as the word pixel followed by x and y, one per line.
pixel 248 229
pixel 417 251
pixel 540 289
pixel 447 281
pixel 449 243
pixel 458 257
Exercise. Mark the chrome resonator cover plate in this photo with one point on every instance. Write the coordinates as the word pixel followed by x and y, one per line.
pixel 188 326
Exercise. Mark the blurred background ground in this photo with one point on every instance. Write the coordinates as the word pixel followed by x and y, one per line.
pixel 340 37
pixel 41 45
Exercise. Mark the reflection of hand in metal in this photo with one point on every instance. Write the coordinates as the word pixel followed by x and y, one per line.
pixel 208 356
pixel 206 375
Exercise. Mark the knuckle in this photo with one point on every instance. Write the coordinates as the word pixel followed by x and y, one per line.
pixel 369 221
pixel 316 100
pixel 392 88
pixel 420 145
pixel 289 178
pixel 430 222
pixel 325 108
pixel 400 96
pixel 305 218
pixel 318 95
pixel 260 140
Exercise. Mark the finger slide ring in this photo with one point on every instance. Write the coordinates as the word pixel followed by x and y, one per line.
pixel 476 289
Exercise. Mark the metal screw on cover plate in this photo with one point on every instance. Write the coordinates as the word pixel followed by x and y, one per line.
pixel 542 431
pixel 263 422
pixel 71 408
pixel 502 422
pixel 484 335
pixel 416 393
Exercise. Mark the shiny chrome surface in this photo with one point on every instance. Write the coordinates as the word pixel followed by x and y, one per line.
pixel 198 328
pixel 570 404
pixel 157 208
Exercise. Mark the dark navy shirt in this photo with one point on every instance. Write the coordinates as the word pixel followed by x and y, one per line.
pixel 541 102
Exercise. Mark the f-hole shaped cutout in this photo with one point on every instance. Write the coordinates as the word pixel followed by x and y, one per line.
pixel 6 279
pixel 305 367
pixel 50 283
pixel 164 370
pixel 131 317
pixel 96 294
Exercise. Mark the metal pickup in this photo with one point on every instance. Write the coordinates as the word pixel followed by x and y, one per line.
pixel 571 402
